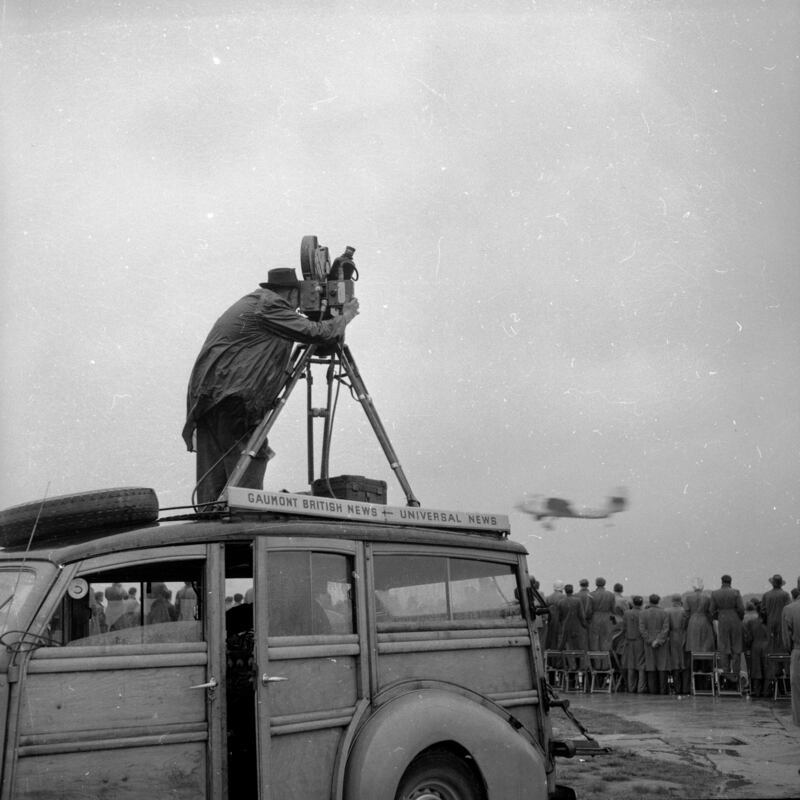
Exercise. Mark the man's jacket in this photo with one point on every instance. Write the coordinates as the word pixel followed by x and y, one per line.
pixel 246 354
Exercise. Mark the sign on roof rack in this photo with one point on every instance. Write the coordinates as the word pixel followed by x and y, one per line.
pixel 354 510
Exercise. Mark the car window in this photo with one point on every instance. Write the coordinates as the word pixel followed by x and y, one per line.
pixel 411 588
pixel 135 605
pixel 16 585
pixel 309 594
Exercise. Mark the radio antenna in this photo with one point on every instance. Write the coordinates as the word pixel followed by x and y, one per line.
pixel 30 539
pixel 35 523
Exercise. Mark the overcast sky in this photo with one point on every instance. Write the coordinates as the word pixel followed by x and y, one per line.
pixel 575 225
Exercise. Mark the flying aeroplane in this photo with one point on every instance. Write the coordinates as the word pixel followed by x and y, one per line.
pixel 544 509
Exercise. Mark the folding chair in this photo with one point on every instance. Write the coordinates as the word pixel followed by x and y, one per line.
pixel 778 666
pixel 601 671
pixel 574 671
pixel 729 684
pixel 704 673
pixel 554 668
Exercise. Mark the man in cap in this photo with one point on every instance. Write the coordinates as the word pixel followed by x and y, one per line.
pixel 618 641
pixel 727 608
pixel 654 627
pixel 633 653
pixel 678 670
pixel 572 628
pixel 239 373
pixel 602 620
pixel 621 603
pixel 553 637
pixel 585 596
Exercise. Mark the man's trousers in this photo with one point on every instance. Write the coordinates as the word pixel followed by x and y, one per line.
pixel 222 435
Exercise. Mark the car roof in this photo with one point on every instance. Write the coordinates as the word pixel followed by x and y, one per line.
pixel 229 527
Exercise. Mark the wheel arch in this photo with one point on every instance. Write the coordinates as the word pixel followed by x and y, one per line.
pixel 417 719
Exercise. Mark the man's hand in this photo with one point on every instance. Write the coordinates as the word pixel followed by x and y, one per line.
pixel 350 309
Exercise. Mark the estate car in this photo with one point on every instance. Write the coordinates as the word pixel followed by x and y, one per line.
pixel 372 652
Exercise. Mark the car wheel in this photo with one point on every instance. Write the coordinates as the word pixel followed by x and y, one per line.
pixel 440 775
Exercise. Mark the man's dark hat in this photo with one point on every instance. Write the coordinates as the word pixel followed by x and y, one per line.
pixel 726 579
pixel 584 581
pixel 600 581
pixel 777 580
pixel 279 278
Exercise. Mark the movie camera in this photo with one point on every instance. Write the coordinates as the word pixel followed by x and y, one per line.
pixel 325 286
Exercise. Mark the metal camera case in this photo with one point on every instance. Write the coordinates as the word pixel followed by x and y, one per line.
pixel 323 287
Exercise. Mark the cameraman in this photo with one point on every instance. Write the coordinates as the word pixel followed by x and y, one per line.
pixel 239 372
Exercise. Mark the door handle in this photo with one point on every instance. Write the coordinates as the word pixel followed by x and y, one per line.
pixel 212 684
pixel 265 679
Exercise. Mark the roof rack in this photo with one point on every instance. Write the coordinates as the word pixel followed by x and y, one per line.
pixel 253 500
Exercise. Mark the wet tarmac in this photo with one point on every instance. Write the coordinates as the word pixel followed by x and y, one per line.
pixel 753 744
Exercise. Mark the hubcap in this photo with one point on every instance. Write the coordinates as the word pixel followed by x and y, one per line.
pixel 434 791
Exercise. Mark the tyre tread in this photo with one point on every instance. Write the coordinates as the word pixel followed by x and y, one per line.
pixel 129 505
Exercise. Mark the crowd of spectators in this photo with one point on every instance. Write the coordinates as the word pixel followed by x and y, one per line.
pixel 650 643
pixel 115 607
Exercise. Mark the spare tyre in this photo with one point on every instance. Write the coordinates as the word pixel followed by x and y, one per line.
pixel 73 513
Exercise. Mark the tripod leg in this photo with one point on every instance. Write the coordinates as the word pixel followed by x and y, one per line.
pixel 300 357
pixel 327 431
pixel 309 424
pixel 364 398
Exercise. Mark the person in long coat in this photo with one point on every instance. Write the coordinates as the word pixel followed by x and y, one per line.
pixel 772 604
pixel 654 627
pixel 727 608
pixel 621 605
pixel 161 609
pixel 585 596
pixel 756 645
pixel 572 625
pixel 676 641
pixel 601 624
pixel 790 632
pixel 699 627
pixel 633 651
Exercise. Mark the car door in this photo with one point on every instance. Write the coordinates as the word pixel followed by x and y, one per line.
pixel 123 702
pixel 311 675
pixel 455 616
